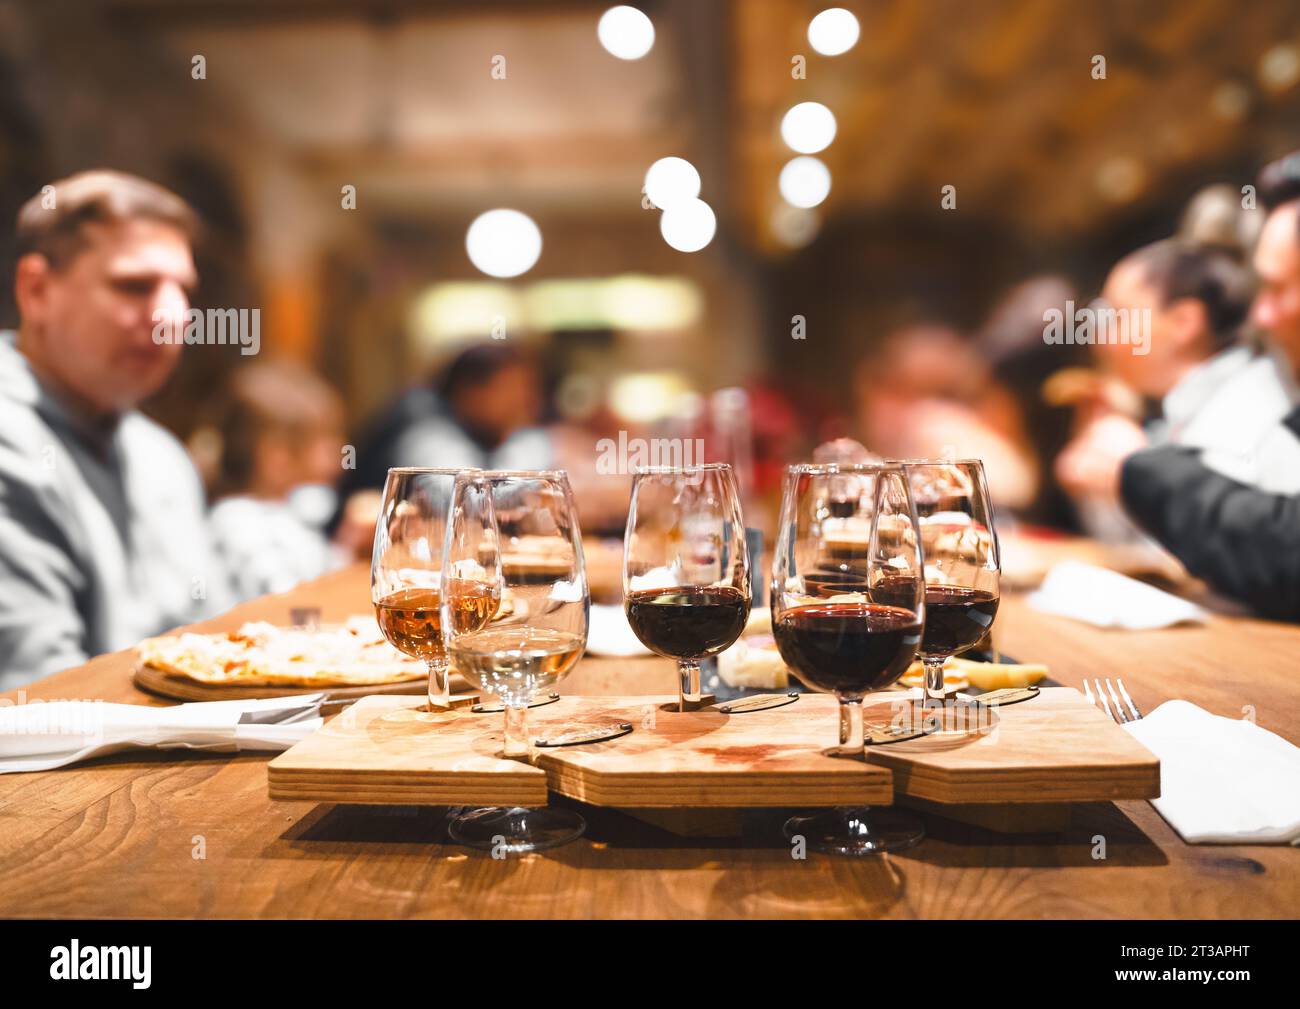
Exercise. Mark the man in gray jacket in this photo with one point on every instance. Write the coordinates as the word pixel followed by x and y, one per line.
pixel 102 528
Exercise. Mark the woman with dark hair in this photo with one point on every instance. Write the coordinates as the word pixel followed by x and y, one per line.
pixel 481 410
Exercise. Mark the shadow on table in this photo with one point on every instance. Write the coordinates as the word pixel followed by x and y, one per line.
pixel 624 839
pixel 1098 833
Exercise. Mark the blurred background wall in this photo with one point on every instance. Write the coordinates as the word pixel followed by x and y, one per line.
pixel 1055 170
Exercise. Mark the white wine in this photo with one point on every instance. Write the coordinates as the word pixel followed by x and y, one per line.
pixel 515 661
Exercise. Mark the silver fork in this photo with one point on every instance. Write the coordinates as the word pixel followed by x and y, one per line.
pixel 1106 696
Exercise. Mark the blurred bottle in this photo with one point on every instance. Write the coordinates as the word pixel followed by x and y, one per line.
pixel 732 426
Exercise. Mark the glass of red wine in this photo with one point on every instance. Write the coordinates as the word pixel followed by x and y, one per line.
pixel 962 566
pixel 848 608
pixel 686 589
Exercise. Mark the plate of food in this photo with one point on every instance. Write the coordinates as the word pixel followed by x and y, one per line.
pixel 260 659
pixel 754 663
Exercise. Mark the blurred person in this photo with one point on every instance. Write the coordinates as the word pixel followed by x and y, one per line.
pixel 1215 216
pixel 483 410
pixel 927 393
pixel 602 498
pixel 1021 362
pixel 103 539
pixel 277 430
pixel 1243 539
pixel 1217 393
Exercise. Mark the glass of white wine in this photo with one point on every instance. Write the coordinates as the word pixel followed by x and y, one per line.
pixel 518 531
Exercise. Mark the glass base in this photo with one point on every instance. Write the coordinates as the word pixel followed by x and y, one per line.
pixel 516 830
pixel 856 830
pixel 955 716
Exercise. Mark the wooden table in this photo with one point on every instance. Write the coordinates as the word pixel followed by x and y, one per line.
pixel 156 836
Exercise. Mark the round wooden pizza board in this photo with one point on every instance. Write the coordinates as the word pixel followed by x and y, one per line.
pixel 155 681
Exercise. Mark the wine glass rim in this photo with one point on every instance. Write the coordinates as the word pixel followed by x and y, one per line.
pixel 832 468
pixel 971 461
pixel 440 470
pixel 522 474
pixel 717 467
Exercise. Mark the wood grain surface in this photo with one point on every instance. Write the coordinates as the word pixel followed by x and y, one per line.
pixel 151 835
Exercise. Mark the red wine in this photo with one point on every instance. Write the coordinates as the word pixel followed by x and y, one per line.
pixel 956 617
pixel 848 648
pixel 831 582
pixel 687 622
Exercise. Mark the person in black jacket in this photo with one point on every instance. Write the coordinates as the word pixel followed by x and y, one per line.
pixel 1243 541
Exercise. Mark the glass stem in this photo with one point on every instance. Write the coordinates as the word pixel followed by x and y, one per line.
pixel 688 691
pixel 853 729
pixel 517 743
pixel 439 683
pixel 934 678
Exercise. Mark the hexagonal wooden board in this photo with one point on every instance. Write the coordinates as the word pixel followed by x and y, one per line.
pixel 385 749
pixel 1055 748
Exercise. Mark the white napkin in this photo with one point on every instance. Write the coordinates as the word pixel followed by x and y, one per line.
pixel 41 735
pixel 1109 599
pixel 609 633
pixel 1222 780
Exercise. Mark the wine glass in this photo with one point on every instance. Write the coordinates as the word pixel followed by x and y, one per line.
pixel 406 570
pixel 962 565
pixel 848 607
pixel 686 589
pixel 517 532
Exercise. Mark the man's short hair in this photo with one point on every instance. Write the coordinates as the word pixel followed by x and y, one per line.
pixel 1279 181
pixel 54 224
pixel 476 365
pixel 1214 275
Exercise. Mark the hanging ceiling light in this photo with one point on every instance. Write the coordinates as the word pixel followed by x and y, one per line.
pixel 503 243
pixel 808 127
pixel 689 226
pixel 671 181
pixel 833 31
pixel 805 181
pixel 625 32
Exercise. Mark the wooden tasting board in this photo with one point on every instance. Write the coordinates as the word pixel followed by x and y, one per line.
pixel 1055 748
pixel 385 749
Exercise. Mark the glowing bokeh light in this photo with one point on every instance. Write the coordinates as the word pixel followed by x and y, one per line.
pixel 833 31
pixel 808 127
pixel 688 227
pixel 625 32
pixel 805 182
pixel 503 243
pixel 671 181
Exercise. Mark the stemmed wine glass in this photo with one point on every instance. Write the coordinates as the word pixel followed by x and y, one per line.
pixel 959 546
pixel 847 615
pixel 686 589
pixel 515 533
pixel 406 570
